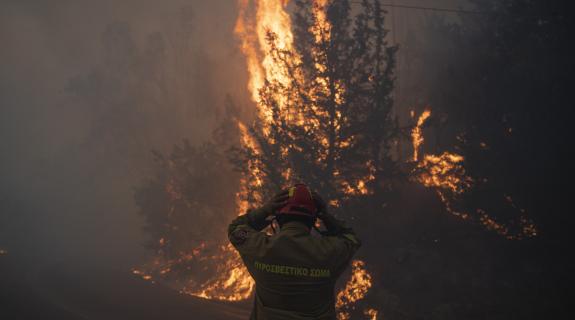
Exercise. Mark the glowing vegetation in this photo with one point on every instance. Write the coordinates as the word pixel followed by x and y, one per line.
pixel 446 174
pixel 355 289
pixel 315 100
pixel 321 80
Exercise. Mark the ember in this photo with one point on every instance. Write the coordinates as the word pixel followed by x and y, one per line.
pixel 371 313
pixel 416 133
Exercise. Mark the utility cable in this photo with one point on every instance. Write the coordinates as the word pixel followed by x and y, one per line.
pixel 392 5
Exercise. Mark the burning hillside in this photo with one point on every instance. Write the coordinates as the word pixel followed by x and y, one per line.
pixel 321 78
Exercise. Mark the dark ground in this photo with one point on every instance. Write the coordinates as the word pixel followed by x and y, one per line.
pixel 58 291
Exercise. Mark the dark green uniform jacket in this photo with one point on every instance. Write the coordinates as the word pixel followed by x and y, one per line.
pixel 295 271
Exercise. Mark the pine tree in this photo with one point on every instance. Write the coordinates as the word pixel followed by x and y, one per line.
pixel 330 124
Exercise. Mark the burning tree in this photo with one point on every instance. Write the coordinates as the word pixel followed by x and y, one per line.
pixel 323 90
pixel 323 93
pixel 324 105
pixel 324 115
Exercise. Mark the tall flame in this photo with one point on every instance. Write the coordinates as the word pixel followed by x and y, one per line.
pixel 260 24
pixel 270 19
pixel 272 22
pixel 416 133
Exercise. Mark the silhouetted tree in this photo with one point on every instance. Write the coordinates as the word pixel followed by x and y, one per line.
pixel 143 94
pixel 187 205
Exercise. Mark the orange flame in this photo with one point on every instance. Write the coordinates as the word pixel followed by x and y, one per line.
pixel 254 31
pixel 355 289
pixel 258 29
pixel 416 133
pixel 234 282
pixel 446 174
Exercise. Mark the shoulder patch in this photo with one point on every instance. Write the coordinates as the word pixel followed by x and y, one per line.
pixel 238 237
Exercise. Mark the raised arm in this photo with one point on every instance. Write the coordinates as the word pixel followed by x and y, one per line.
pixel 244 230
pixel 341 238
pixel 338 228
pixel 334 226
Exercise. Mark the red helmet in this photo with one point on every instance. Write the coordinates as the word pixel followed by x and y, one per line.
pixel 300 202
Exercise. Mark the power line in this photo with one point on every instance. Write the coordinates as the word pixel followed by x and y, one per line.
pixel 391 5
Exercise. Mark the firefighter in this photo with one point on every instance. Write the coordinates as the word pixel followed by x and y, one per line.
pixel 295 271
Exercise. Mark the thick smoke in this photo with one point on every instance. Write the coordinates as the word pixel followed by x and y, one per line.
pixel 87 90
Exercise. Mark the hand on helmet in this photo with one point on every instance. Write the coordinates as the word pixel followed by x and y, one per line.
pixel 319 203
pixel 276 202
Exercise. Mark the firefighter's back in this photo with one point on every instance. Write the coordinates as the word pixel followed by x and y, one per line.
pixel 294 271
pixel 295 276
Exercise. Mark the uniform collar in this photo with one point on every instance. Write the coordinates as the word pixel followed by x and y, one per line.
pixel 295 227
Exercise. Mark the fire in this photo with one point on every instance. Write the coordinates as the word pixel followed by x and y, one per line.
pixel 231 280
pixel 142 274
pixel 355 289
pixel 268 24
pixel 446 174
pixel 261 26
pixel 256 176
pixel 371 313
pixel 234 282
pixel 264 25
pixel 254 30
pixel 271 25
pixel 416 134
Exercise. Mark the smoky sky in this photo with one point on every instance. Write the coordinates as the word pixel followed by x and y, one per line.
pixel 78 121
